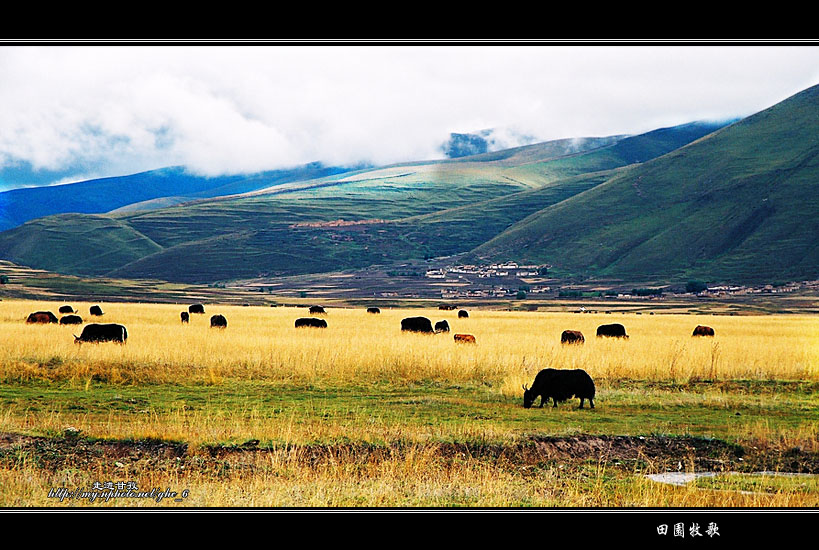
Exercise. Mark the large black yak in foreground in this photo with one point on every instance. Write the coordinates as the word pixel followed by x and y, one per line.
pixel 560 385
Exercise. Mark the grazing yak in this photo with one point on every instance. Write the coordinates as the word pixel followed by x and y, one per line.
pixel 311 322
pixel 703 330
pixel 614 330
pixel 185 316
pixel 442 326
pixel 572 337
pixel 317 310
pixel 94 333
pixel 464 339
pixel 95 310
pixel 66 309
pixel 446 307
pixel 373 310
pixel 218 321
pixel 42 317
pixel 196 308
pixel 560 385
pixel 417 324
pixel 463 314
pixel 71 320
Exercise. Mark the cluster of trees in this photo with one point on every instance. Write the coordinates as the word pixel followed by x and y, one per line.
pixel 695 286
pixel 646 292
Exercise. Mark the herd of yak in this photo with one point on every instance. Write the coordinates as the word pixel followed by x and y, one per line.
pixel 555 384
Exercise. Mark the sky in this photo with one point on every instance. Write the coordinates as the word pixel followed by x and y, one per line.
pixel 74 112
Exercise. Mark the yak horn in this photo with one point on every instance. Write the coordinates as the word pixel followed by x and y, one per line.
pixel 524 387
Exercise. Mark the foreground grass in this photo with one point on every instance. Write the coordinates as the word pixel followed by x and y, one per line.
pixel 291 393
pixel 414 481
pixel 234 412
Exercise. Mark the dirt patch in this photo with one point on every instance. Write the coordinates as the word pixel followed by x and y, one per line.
pixel 645 454
pixel 653 453
pixel 73 451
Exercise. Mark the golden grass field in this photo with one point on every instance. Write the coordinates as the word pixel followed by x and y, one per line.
pixel 165 365
pixel 261 344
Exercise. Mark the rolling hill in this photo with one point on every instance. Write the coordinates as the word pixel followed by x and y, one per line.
pixel 741 204
pixel 141 191
pixel 348 220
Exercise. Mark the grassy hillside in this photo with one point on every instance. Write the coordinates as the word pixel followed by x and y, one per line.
pixel 174 185
pixel 401 212
pixel 741 204
pixel 79 244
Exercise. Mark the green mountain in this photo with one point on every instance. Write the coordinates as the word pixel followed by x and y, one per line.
pixel 339 221
pixel 141 191
pixel 741 204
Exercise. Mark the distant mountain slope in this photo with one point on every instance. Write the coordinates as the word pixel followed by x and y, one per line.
pixel 79 244
pixel 104 195
pixel 741 204
pixel 412 210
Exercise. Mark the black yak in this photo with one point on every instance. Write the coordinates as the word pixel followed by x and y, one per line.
pixel 703 330
pixel 572 337
pixel 111 332
pixel 95 310
pixel 446 307
pixel 317 310
pixel 417 324
pixel 463 314
pixel 442 326
pixel 560 385
pixel 196 308
pixel 185 316
pixel 218 321
pixel 70 320
pixel 311 322
pixel 66 309
pixel 614 330
pixel 373 310
pixel 464 339
pixel 42 317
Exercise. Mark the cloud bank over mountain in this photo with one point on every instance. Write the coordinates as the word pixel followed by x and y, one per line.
pixel 81 112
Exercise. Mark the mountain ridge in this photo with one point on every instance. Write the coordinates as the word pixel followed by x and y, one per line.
pixel 737 204
pixel 430 209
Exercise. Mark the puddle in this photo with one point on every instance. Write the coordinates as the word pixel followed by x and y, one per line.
pixel 679 478
pixel 683 478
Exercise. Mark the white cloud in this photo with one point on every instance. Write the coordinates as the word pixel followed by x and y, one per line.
pixel 249 108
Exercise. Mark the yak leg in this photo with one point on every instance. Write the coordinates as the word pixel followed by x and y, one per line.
pixel 543 400
pixel 591 402
pixel 581 402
